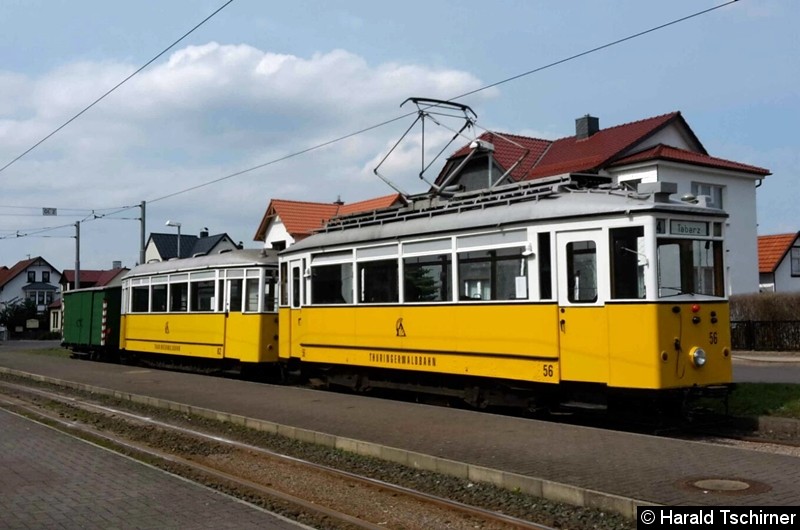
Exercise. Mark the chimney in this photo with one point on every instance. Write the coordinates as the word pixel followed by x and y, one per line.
pixel 116 264
pixel 586 126
pixel 204 232
pixel 338 201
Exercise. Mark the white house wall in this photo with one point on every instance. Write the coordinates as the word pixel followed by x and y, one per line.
pixel 784 282
pixel 151 253
pixel 276 233
pixel 673 136
pixel 13 289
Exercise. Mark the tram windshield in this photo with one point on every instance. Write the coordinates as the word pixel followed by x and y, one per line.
pixel 690 266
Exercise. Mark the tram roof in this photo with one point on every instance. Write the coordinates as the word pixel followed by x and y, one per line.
pixel 558 205
pixel 234 258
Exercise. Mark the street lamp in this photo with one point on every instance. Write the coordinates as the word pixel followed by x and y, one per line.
pixel 178 226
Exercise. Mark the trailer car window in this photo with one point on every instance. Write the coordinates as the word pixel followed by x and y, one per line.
pixel 220 295
pixel 179 296
pixel 251 295
pixel 140 299
pixel 202 295
pixel 159 298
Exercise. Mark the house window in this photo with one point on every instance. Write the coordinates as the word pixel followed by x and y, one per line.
pixel 31 276
pixel 795 257
pixel 46 276
pixel 709 190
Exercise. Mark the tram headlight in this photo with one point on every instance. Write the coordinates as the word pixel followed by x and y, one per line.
pixel 698 357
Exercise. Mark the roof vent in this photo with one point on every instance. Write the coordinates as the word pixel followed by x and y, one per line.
pixel 586 126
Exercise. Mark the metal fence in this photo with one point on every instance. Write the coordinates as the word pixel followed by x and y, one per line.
pixel 765 335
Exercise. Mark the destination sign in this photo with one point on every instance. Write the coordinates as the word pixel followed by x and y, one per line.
pixel 688 228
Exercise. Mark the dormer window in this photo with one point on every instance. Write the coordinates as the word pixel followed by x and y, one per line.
pixel 712 191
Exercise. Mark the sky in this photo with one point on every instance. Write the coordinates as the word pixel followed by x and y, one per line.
pixel 225 120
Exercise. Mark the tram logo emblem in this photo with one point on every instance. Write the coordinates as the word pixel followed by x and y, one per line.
pixel 166 327
pixel 399 330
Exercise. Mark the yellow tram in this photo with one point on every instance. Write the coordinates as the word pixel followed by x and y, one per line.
pixel 533 294
pixel 221 309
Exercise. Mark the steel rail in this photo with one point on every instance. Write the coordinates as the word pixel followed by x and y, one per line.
pixel 440 502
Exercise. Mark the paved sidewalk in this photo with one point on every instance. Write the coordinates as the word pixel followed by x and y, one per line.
pixel 51 480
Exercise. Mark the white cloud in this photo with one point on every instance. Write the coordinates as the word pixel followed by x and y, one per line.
pixel 206 112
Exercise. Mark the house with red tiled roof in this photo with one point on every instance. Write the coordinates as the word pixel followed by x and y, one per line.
pixel 779 262
pixel 659 149
pixel 91 278
pixel 31 279
pixel 87 279
pixel 286 222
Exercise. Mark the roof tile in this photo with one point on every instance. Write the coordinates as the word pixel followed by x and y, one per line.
pixel 772 249
pixel 302 218
pixel 572 155
pixel 665 152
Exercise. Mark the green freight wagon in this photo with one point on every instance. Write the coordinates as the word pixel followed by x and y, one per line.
pixel 91 322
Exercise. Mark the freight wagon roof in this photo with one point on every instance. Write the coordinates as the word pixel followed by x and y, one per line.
pixel 558 206
pixel 234 258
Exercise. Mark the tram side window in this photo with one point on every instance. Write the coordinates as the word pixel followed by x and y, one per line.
pixel 545 268
pixel 251 294
pixel 179 296
pixel 202 295
pixel 270 294
pixel 627 262
pixel 332 284
pixel 140 298
pixel 284 284
pixel 427 279
pixel 499 274
pixel 377 282
pixel 159 298
pixel 582 271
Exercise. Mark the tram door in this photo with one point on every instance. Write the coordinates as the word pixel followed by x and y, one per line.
pixel 289 328
pixel 235 331
pixel 582 265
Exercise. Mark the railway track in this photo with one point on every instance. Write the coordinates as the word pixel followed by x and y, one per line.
pixel 314 494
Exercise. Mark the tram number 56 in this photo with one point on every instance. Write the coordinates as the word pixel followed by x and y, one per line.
pixel 547 370
pixel 712 337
